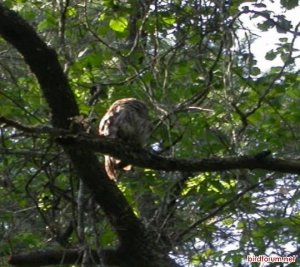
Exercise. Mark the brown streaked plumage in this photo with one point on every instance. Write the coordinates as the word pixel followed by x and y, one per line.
pixel 127 120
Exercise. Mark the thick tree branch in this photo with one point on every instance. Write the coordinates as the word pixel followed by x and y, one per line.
pixel 142 158
pixel 58 257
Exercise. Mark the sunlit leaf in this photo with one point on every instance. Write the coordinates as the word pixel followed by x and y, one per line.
pixel 169 20
pixel 118 24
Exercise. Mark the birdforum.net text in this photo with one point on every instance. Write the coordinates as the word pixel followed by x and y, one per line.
pixel 263 258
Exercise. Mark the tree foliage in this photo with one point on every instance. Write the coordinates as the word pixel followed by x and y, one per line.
pixel 218 179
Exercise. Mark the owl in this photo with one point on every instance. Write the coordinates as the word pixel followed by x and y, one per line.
pixel 126 120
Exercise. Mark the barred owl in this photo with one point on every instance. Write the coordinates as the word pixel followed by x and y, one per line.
pixel 127 120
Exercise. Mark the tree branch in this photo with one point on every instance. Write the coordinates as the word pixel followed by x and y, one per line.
pixel 142 158
pixel 58 257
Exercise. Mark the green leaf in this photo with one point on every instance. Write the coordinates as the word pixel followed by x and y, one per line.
pixel 283 25
pixel 260 5
pixel 169 20
pixel 283 40
pixel 119 24
pixel 71 12
pixel 255 71
pixel 48 23
pixel 271 55
pixel 289 4
pixel 266 25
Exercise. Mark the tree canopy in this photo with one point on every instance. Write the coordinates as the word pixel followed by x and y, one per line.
pixel 219 178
